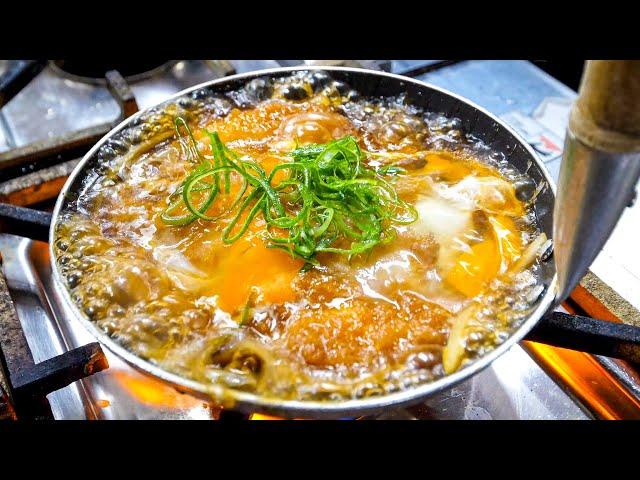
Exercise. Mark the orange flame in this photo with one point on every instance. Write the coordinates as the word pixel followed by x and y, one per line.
pixel 153 392
pixel 260 416
pixel 587 380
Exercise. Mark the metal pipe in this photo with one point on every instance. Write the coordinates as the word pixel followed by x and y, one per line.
pixel 600 166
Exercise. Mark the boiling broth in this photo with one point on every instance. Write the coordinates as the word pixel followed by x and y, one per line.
pixel 448 288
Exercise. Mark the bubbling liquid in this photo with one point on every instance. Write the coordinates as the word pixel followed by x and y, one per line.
pixel 249 316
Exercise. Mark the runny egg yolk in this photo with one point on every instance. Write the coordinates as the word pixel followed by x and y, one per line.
pixel 486 259
pixel 450 168
pixel 248 264
pixel 474 268
pixel 508 239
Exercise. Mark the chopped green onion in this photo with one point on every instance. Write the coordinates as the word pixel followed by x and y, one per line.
pixel 330 200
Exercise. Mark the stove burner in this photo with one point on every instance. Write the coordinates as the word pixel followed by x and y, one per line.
pixel 93 71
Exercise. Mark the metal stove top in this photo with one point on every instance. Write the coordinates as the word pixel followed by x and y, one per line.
pixel 513 387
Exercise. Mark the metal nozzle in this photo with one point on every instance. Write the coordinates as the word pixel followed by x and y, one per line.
pixel 593 190
pixel 600 167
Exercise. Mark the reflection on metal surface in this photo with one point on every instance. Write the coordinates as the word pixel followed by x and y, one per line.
pixel 92 72
pixel 62 105
pixel 607 387
pixel 42 336
pixel 593 184
pixel 242 66
pixel 514 387
pixel 261 416
pixel 154 394
pixel 623 372
pixel 117 393
pixel 588 381
pixel 38 186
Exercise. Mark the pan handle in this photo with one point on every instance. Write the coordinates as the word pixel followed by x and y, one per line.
pixel 27 222
pixel 598 337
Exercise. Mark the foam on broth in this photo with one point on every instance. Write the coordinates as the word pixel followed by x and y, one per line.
pixel 179 296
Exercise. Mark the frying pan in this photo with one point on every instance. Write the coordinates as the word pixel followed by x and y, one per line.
pixel 597 336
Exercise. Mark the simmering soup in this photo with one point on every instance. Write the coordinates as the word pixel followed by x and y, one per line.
pixel 293 239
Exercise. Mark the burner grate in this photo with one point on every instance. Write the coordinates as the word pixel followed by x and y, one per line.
pixel 94 71
pixel 27 382
pixel 18 161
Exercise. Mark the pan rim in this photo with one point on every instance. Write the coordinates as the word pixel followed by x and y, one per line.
pixel 229 397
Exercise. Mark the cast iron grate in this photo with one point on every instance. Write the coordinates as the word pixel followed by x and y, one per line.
pixel 27 383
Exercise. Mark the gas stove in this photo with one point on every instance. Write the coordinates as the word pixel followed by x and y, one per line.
pixel 61 109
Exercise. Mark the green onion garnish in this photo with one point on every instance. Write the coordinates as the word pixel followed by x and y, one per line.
pixel 329 201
